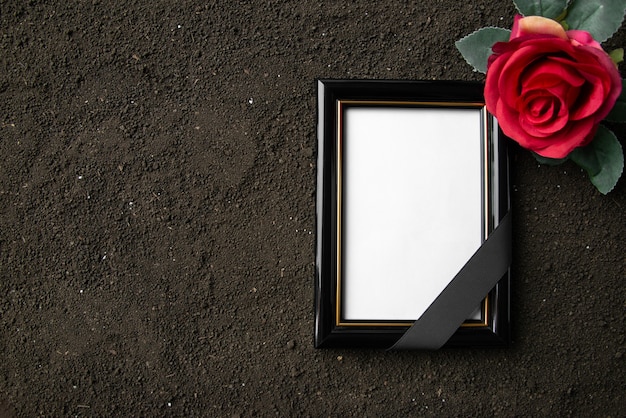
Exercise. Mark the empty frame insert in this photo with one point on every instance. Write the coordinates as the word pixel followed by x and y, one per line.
pixel 412 178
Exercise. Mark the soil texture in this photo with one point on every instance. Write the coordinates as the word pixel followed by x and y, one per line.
pixel 157 218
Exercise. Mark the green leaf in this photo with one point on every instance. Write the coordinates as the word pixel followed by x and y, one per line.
pixel 548 161
pixel 476 47
pixel 601 18
pixel 603 160
pixel 617 55
pixel 545 8
pixel 618 113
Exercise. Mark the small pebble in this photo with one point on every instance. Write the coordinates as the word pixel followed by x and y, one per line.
pixel 291 344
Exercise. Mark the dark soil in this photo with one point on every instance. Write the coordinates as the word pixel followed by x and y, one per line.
pixel 157 213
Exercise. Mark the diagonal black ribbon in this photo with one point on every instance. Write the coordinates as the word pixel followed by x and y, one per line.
pixel 468 288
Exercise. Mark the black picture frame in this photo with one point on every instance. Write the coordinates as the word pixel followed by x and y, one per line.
pixel 491 327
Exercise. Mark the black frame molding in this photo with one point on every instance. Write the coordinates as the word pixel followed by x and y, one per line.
pixel 334 96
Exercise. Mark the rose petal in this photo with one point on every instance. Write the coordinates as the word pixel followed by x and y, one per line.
pixel 537 25
pixel 509 123
pixel 548 88
pixel 515 31
pixel 548 73
pixel 529 53
pixel 613 86
pixel 581 37
pixel 492 92
pixel 560 146
pixel 554 122
pixel 595 90
pixel 542 113
pixel 540 108
pixel 539 80
pixel 564 92
pixel 556 145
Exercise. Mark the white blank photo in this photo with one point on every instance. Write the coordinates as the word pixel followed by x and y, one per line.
pixel 411 206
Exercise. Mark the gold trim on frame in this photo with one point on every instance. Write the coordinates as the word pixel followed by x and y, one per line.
pixel 485 307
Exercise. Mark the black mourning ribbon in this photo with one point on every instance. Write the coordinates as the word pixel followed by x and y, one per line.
pixel 468 288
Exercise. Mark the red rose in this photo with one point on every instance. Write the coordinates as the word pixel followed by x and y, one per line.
pixel 548 88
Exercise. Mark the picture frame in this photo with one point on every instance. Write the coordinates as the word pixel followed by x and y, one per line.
pixel 412 179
